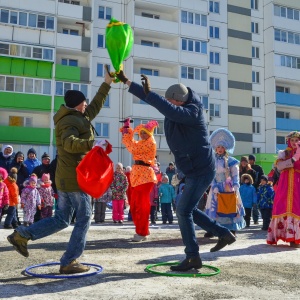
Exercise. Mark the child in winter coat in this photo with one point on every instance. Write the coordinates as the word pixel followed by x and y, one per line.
pixel 30 199
pixel 100 206
pixel 167 196
pixel 153 204
pixel 119 187
pixel 4 194
pixel 248 195
pixel 265 198
pixel 11 182
pixel 47 193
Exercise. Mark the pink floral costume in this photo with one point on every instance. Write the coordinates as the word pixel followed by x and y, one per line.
pixel 30 197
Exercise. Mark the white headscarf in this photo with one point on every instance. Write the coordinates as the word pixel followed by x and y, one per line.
pixel 7 155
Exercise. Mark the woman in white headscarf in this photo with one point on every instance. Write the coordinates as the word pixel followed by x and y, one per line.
pixel 6 157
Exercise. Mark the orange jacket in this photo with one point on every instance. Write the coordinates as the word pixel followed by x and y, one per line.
pixel 13 190
pixel 144 150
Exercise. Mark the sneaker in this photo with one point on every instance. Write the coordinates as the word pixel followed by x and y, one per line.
pixel 73 267
pixel 138 238
pixel 188 264
pixel 19 243
pixel 227 239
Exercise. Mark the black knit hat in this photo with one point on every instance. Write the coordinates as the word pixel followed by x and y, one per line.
pixel 264 177
pixel 73 98
pixel 31 150
pixel 45 155
pixel 252 157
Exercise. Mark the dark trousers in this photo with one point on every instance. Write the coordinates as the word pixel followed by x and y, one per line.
pixel 100 209
pixel 255 214
pixel 247 216
pixel 266 214
pixel 166 212
pixel 153 211
pixel 11 218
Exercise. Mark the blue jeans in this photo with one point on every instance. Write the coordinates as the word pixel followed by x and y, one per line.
pixel 68 202
pixel 188 213
pixel 166 212
pixel 11 218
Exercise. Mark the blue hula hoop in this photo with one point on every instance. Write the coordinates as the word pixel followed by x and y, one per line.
pixel 98 268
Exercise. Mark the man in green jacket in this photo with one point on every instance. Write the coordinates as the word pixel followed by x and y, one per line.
pixel 74 138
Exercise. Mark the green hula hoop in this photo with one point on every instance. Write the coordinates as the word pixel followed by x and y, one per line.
pixel 149 269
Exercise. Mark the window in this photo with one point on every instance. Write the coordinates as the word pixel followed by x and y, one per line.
pixel 4 48
pixel 286 12
pixel 287 36
pixel 214 7
pixel 149 72
pixel 214 110
pixel 100 71
pixel 22 19
pixel 20 121
pixel 69 62
pixel 204 100
pixel 194 46
pixel 151 16
pixel 100 41
pixel 214 84
pixel 254 27
pixel 4 16
pixel 104 13
pixel 13 17
pixel 282 89
pixel 256 150
pixel 149 44
pixel 255 77
pixel 106 103
pixel 193 18
pixel 254 4
pixel 255 52
pixel 214 58
pixel 287 61
pixel 256 127
pixel 282 114
pixel 280 140
pixel 255 102
pixel 102 129
pixel 70 31
pixel 214 32
pixel 62 87
pixel 193 73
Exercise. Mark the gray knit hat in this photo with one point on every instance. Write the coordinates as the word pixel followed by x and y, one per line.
pixel 178 92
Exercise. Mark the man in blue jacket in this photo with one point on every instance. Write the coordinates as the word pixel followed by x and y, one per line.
pixel 187 137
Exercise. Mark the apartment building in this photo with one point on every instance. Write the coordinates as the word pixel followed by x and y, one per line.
pixel 240 56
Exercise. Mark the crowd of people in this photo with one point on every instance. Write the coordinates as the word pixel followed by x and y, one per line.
pixel 205 185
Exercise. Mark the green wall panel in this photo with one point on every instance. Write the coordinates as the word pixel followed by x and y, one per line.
pixel 58 101
pixel 44 69
pixel 25 67
pixel 5 65
pixel 30 68
pixel 67 73
pixel 25 101
pixel 17 67
pixel 25 135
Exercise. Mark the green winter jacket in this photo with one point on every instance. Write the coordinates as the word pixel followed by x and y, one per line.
pixel 74 138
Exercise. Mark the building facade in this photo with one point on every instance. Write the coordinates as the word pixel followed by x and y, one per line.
pixel 240 56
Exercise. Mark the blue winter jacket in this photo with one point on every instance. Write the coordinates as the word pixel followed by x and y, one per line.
pixel 248 195
pixel 185 130
pixel 166 193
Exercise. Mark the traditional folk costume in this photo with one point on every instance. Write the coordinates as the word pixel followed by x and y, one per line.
pixel 285 223
pixel 142 176
pixel 226 180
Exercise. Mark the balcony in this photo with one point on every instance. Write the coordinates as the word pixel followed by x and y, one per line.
pixel 157 54
pixel 25 135
pixel 66 10
pixel 157 82
pixel 288 99
pixel 287 124
pixel 156 25
pixel 73 42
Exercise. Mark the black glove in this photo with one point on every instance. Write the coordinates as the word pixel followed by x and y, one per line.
pixel 122 77
pixel 107 71
pixel 146 84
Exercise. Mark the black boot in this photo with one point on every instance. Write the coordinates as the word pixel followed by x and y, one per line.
pixel 188 264
pixel 208 235
pixel 223 241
